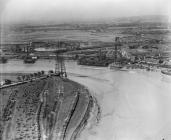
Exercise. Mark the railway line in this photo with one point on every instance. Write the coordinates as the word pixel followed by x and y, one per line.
pixel 83 121
pixel 40 111
pixel 70 115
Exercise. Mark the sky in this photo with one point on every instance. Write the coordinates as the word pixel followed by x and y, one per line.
pixel 13 11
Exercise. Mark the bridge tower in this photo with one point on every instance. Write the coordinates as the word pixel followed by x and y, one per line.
pixel 115 52
pixel 117 48
pixel 60 68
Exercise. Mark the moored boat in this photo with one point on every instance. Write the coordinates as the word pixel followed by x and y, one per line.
pixel 29 59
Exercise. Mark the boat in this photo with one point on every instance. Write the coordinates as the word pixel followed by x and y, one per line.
pixel 3 60
pixel 29 59
pixel 167 72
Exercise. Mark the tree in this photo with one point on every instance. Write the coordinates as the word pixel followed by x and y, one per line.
pixel 161 61
pixel 39 74
pixel 42 72
pixel 35 75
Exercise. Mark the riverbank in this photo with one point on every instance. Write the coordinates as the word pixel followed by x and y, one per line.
pixel 47 108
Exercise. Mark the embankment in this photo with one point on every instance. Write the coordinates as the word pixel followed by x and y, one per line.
pixel 51 108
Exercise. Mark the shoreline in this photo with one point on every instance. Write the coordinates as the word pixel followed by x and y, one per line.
pixel 91 117
pixel 88 117
pixel 93 111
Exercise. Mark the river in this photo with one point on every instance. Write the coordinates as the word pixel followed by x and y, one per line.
pixel 135 105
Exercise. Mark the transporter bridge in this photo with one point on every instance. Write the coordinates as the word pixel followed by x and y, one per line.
pixel 60 68
pixel 117 51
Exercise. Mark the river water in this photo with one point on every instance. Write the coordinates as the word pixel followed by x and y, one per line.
pixel 135 105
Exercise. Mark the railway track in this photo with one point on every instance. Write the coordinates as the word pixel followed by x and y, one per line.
pixel 38 121
pixel 83 121
pixel 56 108
pixel 70 115
pixel 40 111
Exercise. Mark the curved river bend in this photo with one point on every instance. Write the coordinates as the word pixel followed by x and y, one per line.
pixel 136 105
